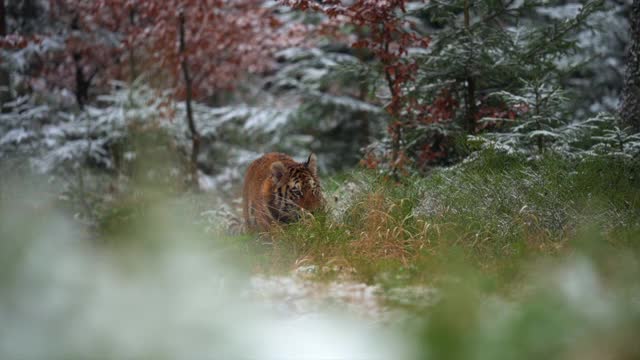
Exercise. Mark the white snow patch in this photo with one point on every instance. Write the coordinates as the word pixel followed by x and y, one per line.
pixel 560 12
pixel 16 136
pixel 296 295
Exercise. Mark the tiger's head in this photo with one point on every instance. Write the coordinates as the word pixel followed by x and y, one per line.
pixel 296 189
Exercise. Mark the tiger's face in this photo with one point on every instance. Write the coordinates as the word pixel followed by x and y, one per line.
pixel 296 189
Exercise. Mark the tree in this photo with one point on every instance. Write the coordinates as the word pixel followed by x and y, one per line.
pixel 75 44
pixel 485 47
pixel 440 85
pixel 195 49
pixel 384 31
pixel 630 104
pixel 218 42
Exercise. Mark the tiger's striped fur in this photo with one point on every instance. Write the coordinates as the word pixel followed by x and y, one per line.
pixel 277 189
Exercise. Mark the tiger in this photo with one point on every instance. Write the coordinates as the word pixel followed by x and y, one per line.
pixel 278 189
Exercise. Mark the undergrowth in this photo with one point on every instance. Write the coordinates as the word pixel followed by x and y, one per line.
pixel 497 258
pixel 494 214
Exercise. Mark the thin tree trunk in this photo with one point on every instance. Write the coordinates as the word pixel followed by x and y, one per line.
pixel 5 79
pixel 394 129
pixel 363 116
pixel 82 86
pixel 83 81
pixel 470 96
pixel 467 18
pixel 3 19
pixel 132 61
pixel 539 139
pixel 471 104
pixel 195 135
pixel 630 102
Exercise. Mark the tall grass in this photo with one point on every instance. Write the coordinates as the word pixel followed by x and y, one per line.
pixel 495 212
pixel 527 259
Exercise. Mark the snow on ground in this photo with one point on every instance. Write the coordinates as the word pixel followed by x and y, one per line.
pixel 299 295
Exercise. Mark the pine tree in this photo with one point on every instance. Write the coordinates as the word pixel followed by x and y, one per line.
pixel 630 104
pixel 596 72
pixel 502 67
pixel 489 66
pixel 335 109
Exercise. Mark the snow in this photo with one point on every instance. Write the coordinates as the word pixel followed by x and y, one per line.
pixel 300 295
pixel 312 74
pixel 72 151
pixel 296 295
pixel 296 53
pixel 343 198
pixel 543 133
pixel 16 136
pixel 222 181
pixel 267 120
pixel 53 137
pixel 560 12
pixel 345 102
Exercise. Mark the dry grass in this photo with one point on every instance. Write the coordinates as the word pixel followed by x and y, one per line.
pixel 384 236
pixel 479 215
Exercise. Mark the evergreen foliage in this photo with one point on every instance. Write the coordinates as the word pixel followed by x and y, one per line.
pixel 511 74
pixel 501 66
pixel 630 101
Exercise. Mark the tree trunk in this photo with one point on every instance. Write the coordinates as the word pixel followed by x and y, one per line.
pixel 539 138
pixel 470 96
pixel 630 102
pixel 28 11
pixel 195 135
pixel 395 130
pixel 363 117
pixel 3 19
pixel 83 81
pixel 132 61
pixel 471 104
pixel 5 79
pixel 82 85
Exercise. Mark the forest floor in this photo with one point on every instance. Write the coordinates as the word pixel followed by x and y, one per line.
pixel 499 256
pixel 490 220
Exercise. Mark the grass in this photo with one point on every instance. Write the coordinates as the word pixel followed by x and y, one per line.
pixel 531 258
pixel 494 214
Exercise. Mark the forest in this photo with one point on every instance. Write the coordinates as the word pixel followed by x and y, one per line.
pixel 478 160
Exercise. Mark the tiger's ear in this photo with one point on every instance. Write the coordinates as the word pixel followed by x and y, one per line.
pixel 277 171
pixel 312 164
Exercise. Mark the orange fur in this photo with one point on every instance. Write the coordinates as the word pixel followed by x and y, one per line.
pixel 276 190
